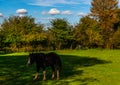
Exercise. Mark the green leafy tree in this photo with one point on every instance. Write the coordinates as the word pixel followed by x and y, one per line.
pixel 22 32
pixel 1 40
pixel 61 33
pixel 116 39
pixel 87 33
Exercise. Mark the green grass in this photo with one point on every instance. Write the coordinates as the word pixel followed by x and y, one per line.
pixel 81 67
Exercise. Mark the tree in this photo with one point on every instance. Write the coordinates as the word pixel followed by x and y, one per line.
pixel 20 32
pixel 106 13
pixel 61 31
pixel 87 33
pixel 116 39
pixel 1 40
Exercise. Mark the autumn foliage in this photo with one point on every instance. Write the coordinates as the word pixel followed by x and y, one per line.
pixel 99 29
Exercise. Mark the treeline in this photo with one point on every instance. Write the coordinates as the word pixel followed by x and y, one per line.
pixel 99 29
pixel 23 34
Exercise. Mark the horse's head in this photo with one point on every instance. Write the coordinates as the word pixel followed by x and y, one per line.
pixel 31 59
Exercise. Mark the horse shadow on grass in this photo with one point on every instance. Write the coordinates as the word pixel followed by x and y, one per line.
pixel 13 70
pixel 72 66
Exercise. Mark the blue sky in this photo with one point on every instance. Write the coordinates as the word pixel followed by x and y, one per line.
pixel 45 10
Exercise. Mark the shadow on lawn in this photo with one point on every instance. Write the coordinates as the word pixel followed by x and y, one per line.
pixel 13 70
pixel 72 65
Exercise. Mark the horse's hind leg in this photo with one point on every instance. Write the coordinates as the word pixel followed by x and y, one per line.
pixel 53 72
pixel 37 73
pixel 58 74
pixel 36 76
pixel 44 75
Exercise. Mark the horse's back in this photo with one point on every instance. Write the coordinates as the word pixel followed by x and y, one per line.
pixel 52 55
pixel 54 59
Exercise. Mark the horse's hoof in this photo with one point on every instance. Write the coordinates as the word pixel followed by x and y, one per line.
pixel 58 79
pixel 53 78
pixel 34 79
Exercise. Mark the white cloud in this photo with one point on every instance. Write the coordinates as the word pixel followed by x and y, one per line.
pixel 86 1
pixel 53 2
pixel 54 11
pixel 49 18
pixel 44 12
pixel 119 3
pixel 67 12
pixel 1 15
pixel 81 14
pixel 21 11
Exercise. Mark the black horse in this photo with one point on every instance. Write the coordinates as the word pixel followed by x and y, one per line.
pixel 43 60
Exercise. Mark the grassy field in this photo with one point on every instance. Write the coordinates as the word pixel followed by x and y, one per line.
pixel 80 67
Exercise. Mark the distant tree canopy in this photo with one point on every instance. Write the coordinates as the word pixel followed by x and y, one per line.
pixel 22 32
pixel 99 29
pixel 61 31
pixel 87 33
pixel 106 13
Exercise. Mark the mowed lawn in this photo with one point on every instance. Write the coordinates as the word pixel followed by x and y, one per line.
pixel 80 67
